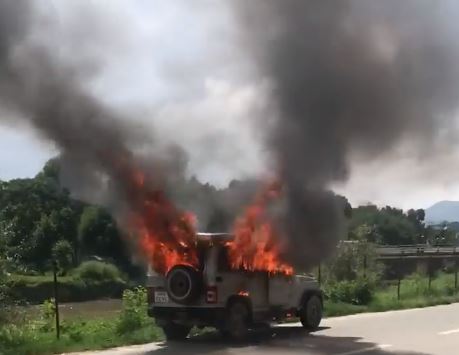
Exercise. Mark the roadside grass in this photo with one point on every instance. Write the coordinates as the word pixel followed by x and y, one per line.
pixel 414 293
pixel 133 326
pixel 91 280
pixel 98 309
pixel 77 335
pixel 336 309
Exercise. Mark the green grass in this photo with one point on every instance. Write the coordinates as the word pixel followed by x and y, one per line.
pixel 72 288
pixel 36 279
pixel 132 326
pixel 79 335
pixel 37 336
pixel 336 309
pixel 414 293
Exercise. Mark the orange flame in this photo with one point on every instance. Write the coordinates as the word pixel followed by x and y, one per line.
pixel 167 235
pixel 256 243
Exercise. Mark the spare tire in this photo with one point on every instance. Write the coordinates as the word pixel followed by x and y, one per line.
pixel 183 284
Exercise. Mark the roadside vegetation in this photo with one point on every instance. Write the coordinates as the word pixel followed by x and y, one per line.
pixel 354 282
pixel 414 293
pixel 133 326
pixel 91 280
pixel 38 336
pixel 41 222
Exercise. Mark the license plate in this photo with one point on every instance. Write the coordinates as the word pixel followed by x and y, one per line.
pixel 161 297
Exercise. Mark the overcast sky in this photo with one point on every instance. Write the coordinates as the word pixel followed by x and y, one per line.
pixel 174 64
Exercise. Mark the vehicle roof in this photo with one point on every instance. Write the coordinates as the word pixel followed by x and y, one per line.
pixel 215 237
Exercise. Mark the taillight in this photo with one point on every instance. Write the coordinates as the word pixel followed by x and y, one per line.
pixel 150 294
pixel 211 294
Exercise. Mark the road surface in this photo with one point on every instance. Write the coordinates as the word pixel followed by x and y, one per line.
pixel 433 330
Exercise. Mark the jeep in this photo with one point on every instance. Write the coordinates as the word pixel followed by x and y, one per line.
pixel 233 301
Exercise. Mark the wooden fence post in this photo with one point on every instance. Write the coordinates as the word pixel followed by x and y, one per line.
pixel 56 300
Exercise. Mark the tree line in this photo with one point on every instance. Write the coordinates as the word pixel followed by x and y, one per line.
pixel 39 221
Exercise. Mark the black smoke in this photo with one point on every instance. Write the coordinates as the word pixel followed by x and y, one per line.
pixel 101 151
pixel 347 76
pixel 99 148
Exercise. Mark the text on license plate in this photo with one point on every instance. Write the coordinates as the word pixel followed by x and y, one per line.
pixel 161 297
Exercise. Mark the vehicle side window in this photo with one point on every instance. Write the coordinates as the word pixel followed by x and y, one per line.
pixel 223 259
pixel 201 257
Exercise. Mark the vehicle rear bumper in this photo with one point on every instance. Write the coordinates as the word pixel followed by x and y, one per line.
pixel 188 315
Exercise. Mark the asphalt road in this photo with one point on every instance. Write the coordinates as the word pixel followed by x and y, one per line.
pixel 433 330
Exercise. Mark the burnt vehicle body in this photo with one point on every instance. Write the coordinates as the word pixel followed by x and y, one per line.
pixel 230 300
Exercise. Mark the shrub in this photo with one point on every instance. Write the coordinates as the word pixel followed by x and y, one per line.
pixel 98 271
pixel 5 301
pixel 358 292
pixel 134 313
pixel 352 261
pixel 47 314
pixel 11 335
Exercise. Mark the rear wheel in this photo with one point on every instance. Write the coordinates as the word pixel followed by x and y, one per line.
pixel 311 313
pixel 237 321
pixel 183 284
pixel 174 331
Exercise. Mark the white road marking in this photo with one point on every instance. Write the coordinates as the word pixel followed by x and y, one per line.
pixel 447 332
pixel 360 351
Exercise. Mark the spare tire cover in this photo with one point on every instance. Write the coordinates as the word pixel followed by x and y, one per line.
pixel 183 284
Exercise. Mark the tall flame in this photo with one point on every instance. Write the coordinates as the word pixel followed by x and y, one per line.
pixel 167 236
pixel 256 242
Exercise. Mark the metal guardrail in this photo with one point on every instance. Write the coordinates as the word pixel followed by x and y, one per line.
pixel 420 250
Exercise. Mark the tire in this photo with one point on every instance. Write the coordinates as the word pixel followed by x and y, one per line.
pixel 183 284
pixel 237 321
pixel 176 332
pixel 311 313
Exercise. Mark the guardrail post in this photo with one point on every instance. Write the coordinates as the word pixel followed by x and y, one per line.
pixel 429 270
pixel 399 277
pixel 365 266
pixel 455 273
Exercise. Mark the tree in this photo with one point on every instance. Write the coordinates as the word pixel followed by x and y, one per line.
pixel 62 253
pixel 353 260
pixel 4 299
pixel 365 233
pixel 34 215
pixel 347 208
pixel 387 225
pixel 420 215
pixel 98 235
pixel 51 170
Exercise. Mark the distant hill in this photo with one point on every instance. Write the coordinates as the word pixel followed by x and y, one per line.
pixel 443 211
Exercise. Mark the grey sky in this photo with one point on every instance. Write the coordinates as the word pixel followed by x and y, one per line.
pixel 175 65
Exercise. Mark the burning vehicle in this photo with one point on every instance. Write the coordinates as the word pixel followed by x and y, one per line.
pixel 215 293
pixel 230 281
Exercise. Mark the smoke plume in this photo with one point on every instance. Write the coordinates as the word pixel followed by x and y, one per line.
pixel 100 158
pixel 347 76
